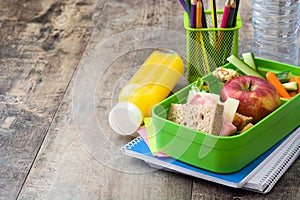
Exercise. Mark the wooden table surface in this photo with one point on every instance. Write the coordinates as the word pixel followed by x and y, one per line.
pixel 62 65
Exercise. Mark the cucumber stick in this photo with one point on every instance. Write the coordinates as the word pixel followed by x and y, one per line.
pixel 250 60
pixel 246 69
pixel 284 76
pixel 290 86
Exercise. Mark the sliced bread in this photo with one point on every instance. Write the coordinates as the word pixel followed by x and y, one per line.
pixel 204 118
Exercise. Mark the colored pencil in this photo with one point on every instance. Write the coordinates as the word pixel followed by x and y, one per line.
pixel 230 24
pixel 205 62
pixel 225 14
pixel 199 15
pixel 223 24
pixel 213 13
pixel 199 37
pixel 183 5
pixel 188 7
pixel 204 24
pixel 237 3
pixel 193 13
pixel 231 15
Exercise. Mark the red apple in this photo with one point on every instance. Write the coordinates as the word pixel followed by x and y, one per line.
pixel 257 96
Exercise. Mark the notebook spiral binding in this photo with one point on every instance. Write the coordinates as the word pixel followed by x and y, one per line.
pixel 286 159
pixel 133 142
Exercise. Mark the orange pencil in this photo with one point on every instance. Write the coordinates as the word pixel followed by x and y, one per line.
pixel 199 15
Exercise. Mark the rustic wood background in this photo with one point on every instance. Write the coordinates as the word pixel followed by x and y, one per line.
pixel 62 64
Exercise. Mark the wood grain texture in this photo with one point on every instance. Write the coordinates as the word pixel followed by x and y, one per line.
pixel 41 44
pixel 50 106
pixel 99 170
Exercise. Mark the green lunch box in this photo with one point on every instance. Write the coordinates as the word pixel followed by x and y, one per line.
pixel 225 154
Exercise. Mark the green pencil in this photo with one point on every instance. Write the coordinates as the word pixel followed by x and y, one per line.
pixel 188 6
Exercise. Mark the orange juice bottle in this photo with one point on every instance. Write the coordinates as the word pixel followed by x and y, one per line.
pixel 152 83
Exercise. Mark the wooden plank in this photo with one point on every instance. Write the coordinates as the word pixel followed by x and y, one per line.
pixel 40 46
pixel 80 156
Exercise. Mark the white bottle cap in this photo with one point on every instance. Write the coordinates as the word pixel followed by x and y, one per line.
pixel 125 118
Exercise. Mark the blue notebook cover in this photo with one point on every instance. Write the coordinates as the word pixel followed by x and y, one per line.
pixel 139 149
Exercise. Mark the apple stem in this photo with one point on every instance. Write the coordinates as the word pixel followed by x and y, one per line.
pixel 250 85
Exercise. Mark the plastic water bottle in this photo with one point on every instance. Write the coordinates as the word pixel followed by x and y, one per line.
pixel 152 83
pixel 275 24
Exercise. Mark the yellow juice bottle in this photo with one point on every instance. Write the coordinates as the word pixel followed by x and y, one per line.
pixel 152 83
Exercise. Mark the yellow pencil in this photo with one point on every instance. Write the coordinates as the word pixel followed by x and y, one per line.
pixel 213 13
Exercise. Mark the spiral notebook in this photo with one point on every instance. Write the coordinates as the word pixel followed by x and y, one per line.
pixel 259 176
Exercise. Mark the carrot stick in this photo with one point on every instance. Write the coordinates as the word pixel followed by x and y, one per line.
pixel 292 79
pixel 271 77
pixel 297 79
pixel 293 93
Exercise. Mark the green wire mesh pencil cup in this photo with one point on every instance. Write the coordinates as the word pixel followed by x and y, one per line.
pixel 208 48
